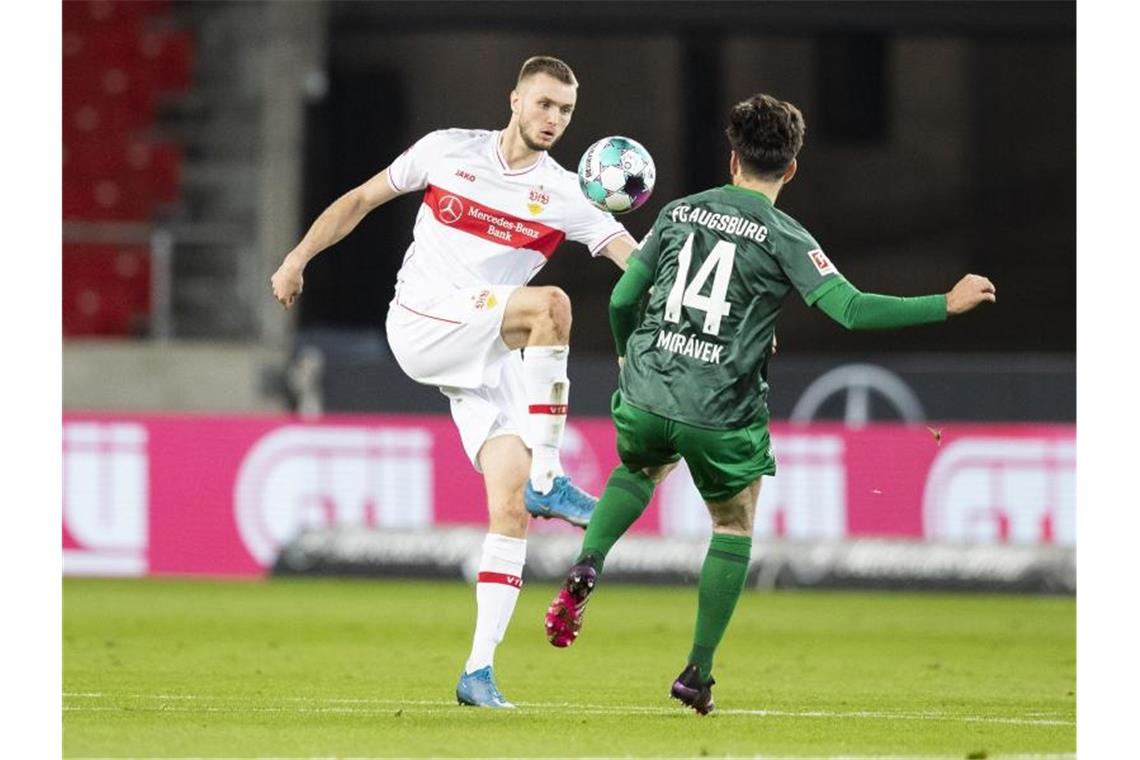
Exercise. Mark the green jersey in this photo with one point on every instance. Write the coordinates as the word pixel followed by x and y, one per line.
pixel 722 262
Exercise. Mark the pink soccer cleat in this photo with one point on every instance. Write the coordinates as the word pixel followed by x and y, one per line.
pixel 564 615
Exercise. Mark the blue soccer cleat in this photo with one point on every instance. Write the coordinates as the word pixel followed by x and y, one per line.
pixel 565 501
pixel 478 689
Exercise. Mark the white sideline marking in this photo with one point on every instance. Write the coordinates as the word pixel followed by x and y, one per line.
pixel 727 757
pixel 321 705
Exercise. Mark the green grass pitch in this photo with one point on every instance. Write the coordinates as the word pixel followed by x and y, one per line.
pixel 320 668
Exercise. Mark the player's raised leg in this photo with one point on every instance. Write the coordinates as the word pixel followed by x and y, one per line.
pixel 626 495
pixel 722 580
pixel 505 462
pixel 538 320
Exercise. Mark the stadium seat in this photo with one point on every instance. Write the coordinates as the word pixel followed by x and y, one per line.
pixel 149 166
pixel 91 14
pixel 106 289
pixel 119 58
pixel 169 59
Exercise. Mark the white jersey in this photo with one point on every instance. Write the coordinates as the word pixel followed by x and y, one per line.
pixel 483 223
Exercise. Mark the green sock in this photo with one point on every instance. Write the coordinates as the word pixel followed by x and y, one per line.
pixel 722 580
pixel 625 498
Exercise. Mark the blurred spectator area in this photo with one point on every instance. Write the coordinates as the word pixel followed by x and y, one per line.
pixel 122 63
pixel 201 138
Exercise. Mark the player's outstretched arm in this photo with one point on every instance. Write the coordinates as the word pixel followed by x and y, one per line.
pixel 856 310
pixel 336 221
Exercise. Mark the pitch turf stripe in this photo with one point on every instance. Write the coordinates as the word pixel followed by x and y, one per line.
pixel 723 757
pixel 435 705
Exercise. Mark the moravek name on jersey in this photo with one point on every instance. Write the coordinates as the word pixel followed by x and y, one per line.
pixel 687 345
pixel 728 223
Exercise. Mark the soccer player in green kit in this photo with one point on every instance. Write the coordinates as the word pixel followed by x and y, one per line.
pixel 717 266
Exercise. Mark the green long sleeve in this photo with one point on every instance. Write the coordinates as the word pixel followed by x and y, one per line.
pixel 856 310
pixel 625 301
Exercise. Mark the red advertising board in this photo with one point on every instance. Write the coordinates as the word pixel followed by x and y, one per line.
pixel 164 495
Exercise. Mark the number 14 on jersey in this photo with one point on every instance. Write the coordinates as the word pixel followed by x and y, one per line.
pixel 715 306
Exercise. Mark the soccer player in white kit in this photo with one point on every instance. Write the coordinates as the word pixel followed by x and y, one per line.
pixel 496 206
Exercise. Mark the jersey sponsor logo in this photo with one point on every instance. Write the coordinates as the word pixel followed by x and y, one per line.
pixel 485 300
pixel 822 264
pixel 465 175
pixel 687 345
pixel 450 209
pixel 490 224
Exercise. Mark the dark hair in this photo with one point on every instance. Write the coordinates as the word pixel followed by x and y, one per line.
pixel 766 134
pixel 545 64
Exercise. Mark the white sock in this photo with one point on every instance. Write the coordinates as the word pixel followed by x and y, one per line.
pixel 496 591
pixel 547 397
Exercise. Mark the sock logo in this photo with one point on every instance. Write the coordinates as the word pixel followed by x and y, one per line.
pixel 503 578
pixel 549 409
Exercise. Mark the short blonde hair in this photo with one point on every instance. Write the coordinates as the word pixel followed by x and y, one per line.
pixel 545 64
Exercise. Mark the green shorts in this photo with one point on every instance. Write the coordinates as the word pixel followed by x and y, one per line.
pixel 722 462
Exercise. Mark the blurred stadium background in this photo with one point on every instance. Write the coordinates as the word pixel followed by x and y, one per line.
pixel 208 433
pixel 206 430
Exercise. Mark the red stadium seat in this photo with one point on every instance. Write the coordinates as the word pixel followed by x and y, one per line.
pixel 169 58
pixel 106 289
pixel 106 199
pixel 121 98
pixel 113 72
pixel 144 167
pixel 110 46
pixel 87 14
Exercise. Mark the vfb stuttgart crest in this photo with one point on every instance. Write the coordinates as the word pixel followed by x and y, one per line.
pixel 537 201
pixel 484 300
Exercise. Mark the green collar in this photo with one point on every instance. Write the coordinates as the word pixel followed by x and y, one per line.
pixel 755 193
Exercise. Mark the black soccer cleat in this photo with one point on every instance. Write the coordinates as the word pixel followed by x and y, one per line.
pixel 690 689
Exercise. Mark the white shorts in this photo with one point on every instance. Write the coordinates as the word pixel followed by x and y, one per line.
pixel 455 342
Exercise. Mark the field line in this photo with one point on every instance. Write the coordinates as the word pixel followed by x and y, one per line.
pixel 1063 756
pixel 347 705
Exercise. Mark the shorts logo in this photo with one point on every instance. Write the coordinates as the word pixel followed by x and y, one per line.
pixel 450 209
pixel 822 263
pixel 537 201
pixel 485 300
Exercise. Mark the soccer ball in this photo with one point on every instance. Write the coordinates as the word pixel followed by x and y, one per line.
pixel 616 174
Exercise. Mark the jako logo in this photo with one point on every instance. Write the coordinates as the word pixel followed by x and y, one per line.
pixel 299 477
pixel 105 498
pixel 1007 490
